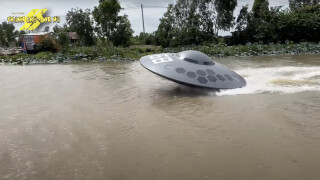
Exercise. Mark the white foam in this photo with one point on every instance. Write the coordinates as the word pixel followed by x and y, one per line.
pixel 277 79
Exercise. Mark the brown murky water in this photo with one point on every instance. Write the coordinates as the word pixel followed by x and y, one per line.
pixel 119 121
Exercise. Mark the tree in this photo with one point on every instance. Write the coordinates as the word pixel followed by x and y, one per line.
pixel 243 19
pixel 278 25
pixel 112 26
pixel 106 15
pixel 19 35
pixel 63 39
pixel 46 29
pixel 164 34
pixel 6 34
pixel 191 33
pixel 206 21
pixel 80 22
pixel 195 21
pixel 297 4
pixel 301 24
pixel 123 32
pixel 260 7
pixel 146 38
pixel 61 35
pixel 225 17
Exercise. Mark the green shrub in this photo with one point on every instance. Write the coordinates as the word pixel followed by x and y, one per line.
pixel 47 44
pixel 63 39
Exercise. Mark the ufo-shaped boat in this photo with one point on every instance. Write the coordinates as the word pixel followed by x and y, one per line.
pixel 192 68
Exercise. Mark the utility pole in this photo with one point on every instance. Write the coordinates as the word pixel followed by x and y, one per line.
pixel 142 18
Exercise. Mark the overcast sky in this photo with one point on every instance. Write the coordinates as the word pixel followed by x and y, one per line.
pixel 131 8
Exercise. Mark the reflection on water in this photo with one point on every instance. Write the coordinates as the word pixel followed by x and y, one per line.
pixel 185 91
pixel 119 121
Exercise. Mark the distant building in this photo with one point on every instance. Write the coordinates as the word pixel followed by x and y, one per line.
pixel 30 41
pixel 73 37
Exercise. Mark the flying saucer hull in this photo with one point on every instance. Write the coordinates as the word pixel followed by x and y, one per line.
pixel 172 67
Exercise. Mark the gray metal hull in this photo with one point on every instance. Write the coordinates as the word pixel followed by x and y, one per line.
pixel 172 67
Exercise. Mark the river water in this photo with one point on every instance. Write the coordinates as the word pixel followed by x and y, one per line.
pixel 119 121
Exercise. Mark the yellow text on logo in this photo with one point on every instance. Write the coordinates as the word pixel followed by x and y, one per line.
pixel 33 19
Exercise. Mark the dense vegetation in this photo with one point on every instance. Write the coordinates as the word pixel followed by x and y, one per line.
pixel 8 36
pixel 198 22
pixel 110 29
pixel 264 25
pixel 194 22
pixel 103 53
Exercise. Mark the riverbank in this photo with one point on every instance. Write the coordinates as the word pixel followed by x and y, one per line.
pixel 98 54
